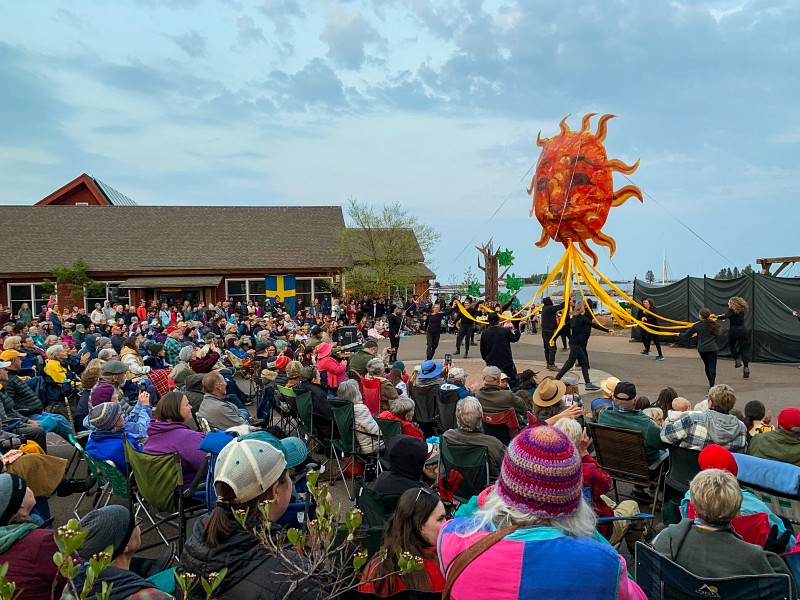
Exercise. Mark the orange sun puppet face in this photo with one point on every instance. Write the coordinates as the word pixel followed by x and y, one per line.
pixel 573 189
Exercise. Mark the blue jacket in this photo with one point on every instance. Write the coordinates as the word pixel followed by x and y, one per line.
pixel 107 445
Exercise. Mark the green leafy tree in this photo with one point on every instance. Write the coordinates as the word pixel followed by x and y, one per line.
pixel 386 245
pixel 72 283
pixel 514 283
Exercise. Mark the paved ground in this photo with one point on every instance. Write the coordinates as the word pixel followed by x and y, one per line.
pixel 774 384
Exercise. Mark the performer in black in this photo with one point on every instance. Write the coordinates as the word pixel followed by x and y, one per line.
pixel 738 336
pixel 549 326
pixel 395 326
pixel 433 328
pixel 580 327
pixel 466 327
pixel 496 347
pixel 650 319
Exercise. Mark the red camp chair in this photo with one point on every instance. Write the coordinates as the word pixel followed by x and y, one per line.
pixel 503 425
pixel 753 528
pixel 371 392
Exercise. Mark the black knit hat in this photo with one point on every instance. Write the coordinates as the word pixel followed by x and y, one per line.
pixel 12 493
pixel 107 526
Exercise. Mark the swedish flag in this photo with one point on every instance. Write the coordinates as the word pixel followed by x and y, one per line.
pixel 284 287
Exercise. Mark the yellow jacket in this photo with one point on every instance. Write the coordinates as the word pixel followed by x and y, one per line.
pixel 55 370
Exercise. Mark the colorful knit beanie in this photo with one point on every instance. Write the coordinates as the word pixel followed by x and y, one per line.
pixel 541 474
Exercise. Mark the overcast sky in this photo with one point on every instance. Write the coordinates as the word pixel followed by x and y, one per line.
pixel 433 104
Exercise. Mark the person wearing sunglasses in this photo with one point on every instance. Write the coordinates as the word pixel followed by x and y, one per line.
pixel 414 527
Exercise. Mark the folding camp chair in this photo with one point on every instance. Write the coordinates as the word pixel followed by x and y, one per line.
pixel 389 429
pixel 637 518
pixel 424 398
pixel 285 408
pixel 446 410
pixel 753 528
pixel 236 363
pixel 682 469
pixel 503 425
pixel 473 464
pixel 110 480
pixel 376 508
pixel 371 392
pixel 156 482
pixel 621 453
pixel 777 484
pixel 662 579
pixel 347 444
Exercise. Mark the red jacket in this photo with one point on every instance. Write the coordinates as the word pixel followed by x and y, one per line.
pixel 30 564
pixel 408 427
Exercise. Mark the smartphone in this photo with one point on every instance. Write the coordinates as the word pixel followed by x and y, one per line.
pixel 448 359
pixel 142 386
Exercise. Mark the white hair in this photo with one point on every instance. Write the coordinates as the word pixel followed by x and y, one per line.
pixel 571 428
pixel 349 390
pixel 375 367
pixel 53 350
pixel 497 513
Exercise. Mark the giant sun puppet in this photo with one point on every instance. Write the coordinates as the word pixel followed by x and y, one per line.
pixel 573 194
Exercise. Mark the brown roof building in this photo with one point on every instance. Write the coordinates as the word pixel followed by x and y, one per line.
pixel 171 253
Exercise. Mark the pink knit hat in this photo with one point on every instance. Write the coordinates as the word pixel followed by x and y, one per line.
pixel 541 474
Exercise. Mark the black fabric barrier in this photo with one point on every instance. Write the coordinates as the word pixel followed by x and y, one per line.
pixel 775 333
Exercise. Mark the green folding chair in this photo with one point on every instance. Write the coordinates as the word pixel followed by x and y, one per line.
pixel 389 429
pixel 156 482
pixel 376 509
pixel 473 464
pixel 346 444
pixel 110 481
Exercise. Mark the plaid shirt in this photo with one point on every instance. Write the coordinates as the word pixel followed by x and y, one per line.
pixel 598 483
pixel 692 431
pixel 172 348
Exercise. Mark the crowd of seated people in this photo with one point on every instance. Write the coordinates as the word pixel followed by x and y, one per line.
pixel 158 377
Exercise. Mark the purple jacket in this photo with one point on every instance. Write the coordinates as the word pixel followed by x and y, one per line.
pixel 164 437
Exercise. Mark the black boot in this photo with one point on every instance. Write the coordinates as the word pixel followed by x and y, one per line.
pixel 458 351
pixel 737 364
pixel 746 373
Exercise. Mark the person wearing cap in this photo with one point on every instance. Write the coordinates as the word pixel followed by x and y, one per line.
pixel 358 361
pixel 469 432
pixel 406 455
pixel 715 456
pixel 496 347
pixel 527 382
pixel 537 518
pixel 781 444
pixel 115 526
pixel 24 547
pixel 707 546
pixel 332 370
pixel 714 425
pixel 493 399
pixel 172 345
pixel 105 440
pixel 155 356
pixel 137 418
pixel 430 374
pixel 456 382
pixel 249 470
pixel 624 414
pixel 548 403
pixel 25 401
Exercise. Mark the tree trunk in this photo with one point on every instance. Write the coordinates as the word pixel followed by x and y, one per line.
pixel 490 270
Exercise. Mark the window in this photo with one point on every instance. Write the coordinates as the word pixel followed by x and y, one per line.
pixel 310 288
pixel 114 294
pixel 242 290
pixel 31 294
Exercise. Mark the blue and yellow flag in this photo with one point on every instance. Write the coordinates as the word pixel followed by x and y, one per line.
pixel 284 287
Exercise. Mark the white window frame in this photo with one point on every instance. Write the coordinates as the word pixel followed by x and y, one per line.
pixel 31 302
pixel 248 295
pixel 89 309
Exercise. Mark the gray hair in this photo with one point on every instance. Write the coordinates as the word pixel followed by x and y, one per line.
pixel 185 354
pixel 308 373
pixel 375 367
pixel 107 354
pixel 571 428
pixel 51 340
pixel 496 512
pixel 350 391
pixel 53 350
pixel 469 414
pixel 402 407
